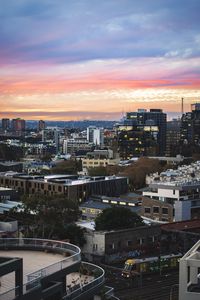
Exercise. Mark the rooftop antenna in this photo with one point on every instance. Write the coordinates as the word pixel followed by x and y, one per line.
pixel 182 110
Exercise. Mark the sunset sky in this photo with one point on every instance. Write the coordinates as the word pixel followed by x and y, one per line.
pixel 92 59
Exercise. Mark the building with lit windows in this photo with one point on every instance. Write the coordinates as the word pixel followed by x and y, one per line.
pixel 142 133
pixel 190 126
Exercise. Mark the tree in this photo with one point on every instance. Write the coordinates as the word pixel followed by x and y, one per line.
pixel 117 218
pixel 137 171
pixel 98 171
pixel 67 167
pixel 75 234
pixel 45 216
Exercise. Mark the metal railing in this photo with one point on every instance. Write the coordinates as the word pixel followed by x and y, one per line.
pixel 79 289
pixel 33 279
pixel 11 294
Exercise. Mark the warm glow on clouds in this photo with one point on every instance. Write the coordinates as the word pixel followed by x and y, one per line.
pixel 86 59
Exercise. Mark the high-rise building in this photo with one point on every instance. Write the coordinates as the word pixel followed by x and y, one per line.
pixel 5 124
pixel 51 135
pixel 18 125
pixel 95 135
pixel 142 133
pixel 190 126
pixel 41 125
pixel 173 137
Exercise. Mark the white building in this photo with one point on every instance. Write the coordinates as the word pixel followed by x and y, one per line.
pixel 189 274
pixel 95 135
pixel 179 187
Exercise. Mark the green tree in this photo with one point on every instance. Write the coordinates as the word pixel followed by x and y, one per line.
pixel 67 167
pixel 117 218
pixel 45 216
pixel 98 171
pixel 75 234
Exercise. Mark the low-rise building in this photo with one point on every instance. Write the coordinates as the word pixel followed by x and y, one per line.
pixel 180 187
pixel 189 276
pixel 99 158
pixel 72 186
pixel 150 209
pixel 117 245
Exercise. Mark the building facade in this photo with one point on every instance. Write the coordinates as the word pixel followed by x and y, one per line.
pixel 180 187
pixel 190 127
pixel 142 133
pixel 95 136
pixel 18 125
pixel 73 187
pixel 5 124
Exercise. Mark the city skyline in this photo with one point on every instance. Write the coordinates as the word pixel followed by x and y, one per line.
pixel 89 60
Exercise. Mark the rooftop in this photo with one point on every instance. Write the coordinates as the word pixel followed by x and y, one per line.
pixel 186 175
pixel 32 261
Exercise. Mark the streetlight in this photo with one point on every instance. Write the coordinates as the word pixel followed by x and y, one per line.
pixel 171 291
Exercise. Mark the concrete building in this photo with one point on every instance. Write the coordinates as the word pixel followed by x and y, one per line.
pixel 41 125
pixel 76 146
pixel 72 186
pixel 152 210
pixel 18 125
pixel 95 136
pixel 5 124
pixel 190 126
pixel 52 136
pixel 42 269
pixel 189 274
pixel 118 245
pixel 180 187
pixel 173 137
pixel 99 158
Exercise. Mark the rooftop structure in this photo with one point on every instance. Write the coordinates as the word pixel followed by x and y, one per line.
pixel 189 274
pixel 46 269
pixel 72 186
pixel 178 187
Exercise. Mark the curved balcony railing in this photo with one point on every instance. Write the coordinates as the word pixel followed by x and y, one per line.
pixel 81 290
pixel 33 279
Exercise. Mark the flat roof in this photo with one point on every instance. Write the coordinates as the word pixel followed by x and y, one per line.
pixel 32 261
pixel 182 225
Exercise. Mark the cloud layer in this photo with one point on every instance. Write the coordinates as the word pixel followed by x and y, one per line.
pixel 89 58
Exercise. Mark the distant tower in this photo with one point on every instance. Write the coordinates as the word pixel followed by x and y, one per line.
pixel 41 125
pixel 18 125
pixel 182 109
pixel 5 124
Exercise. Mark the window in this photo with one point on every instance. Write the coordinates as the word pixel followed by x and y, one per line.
pixel 129 243
pixel 165 211
pixel 112 246
pixel 156 209
pixel 95 247
pixel 147 210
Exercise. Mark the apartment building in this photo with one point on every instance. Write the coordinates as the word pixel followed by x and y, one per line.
pixel 180 187
pixel 72 186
